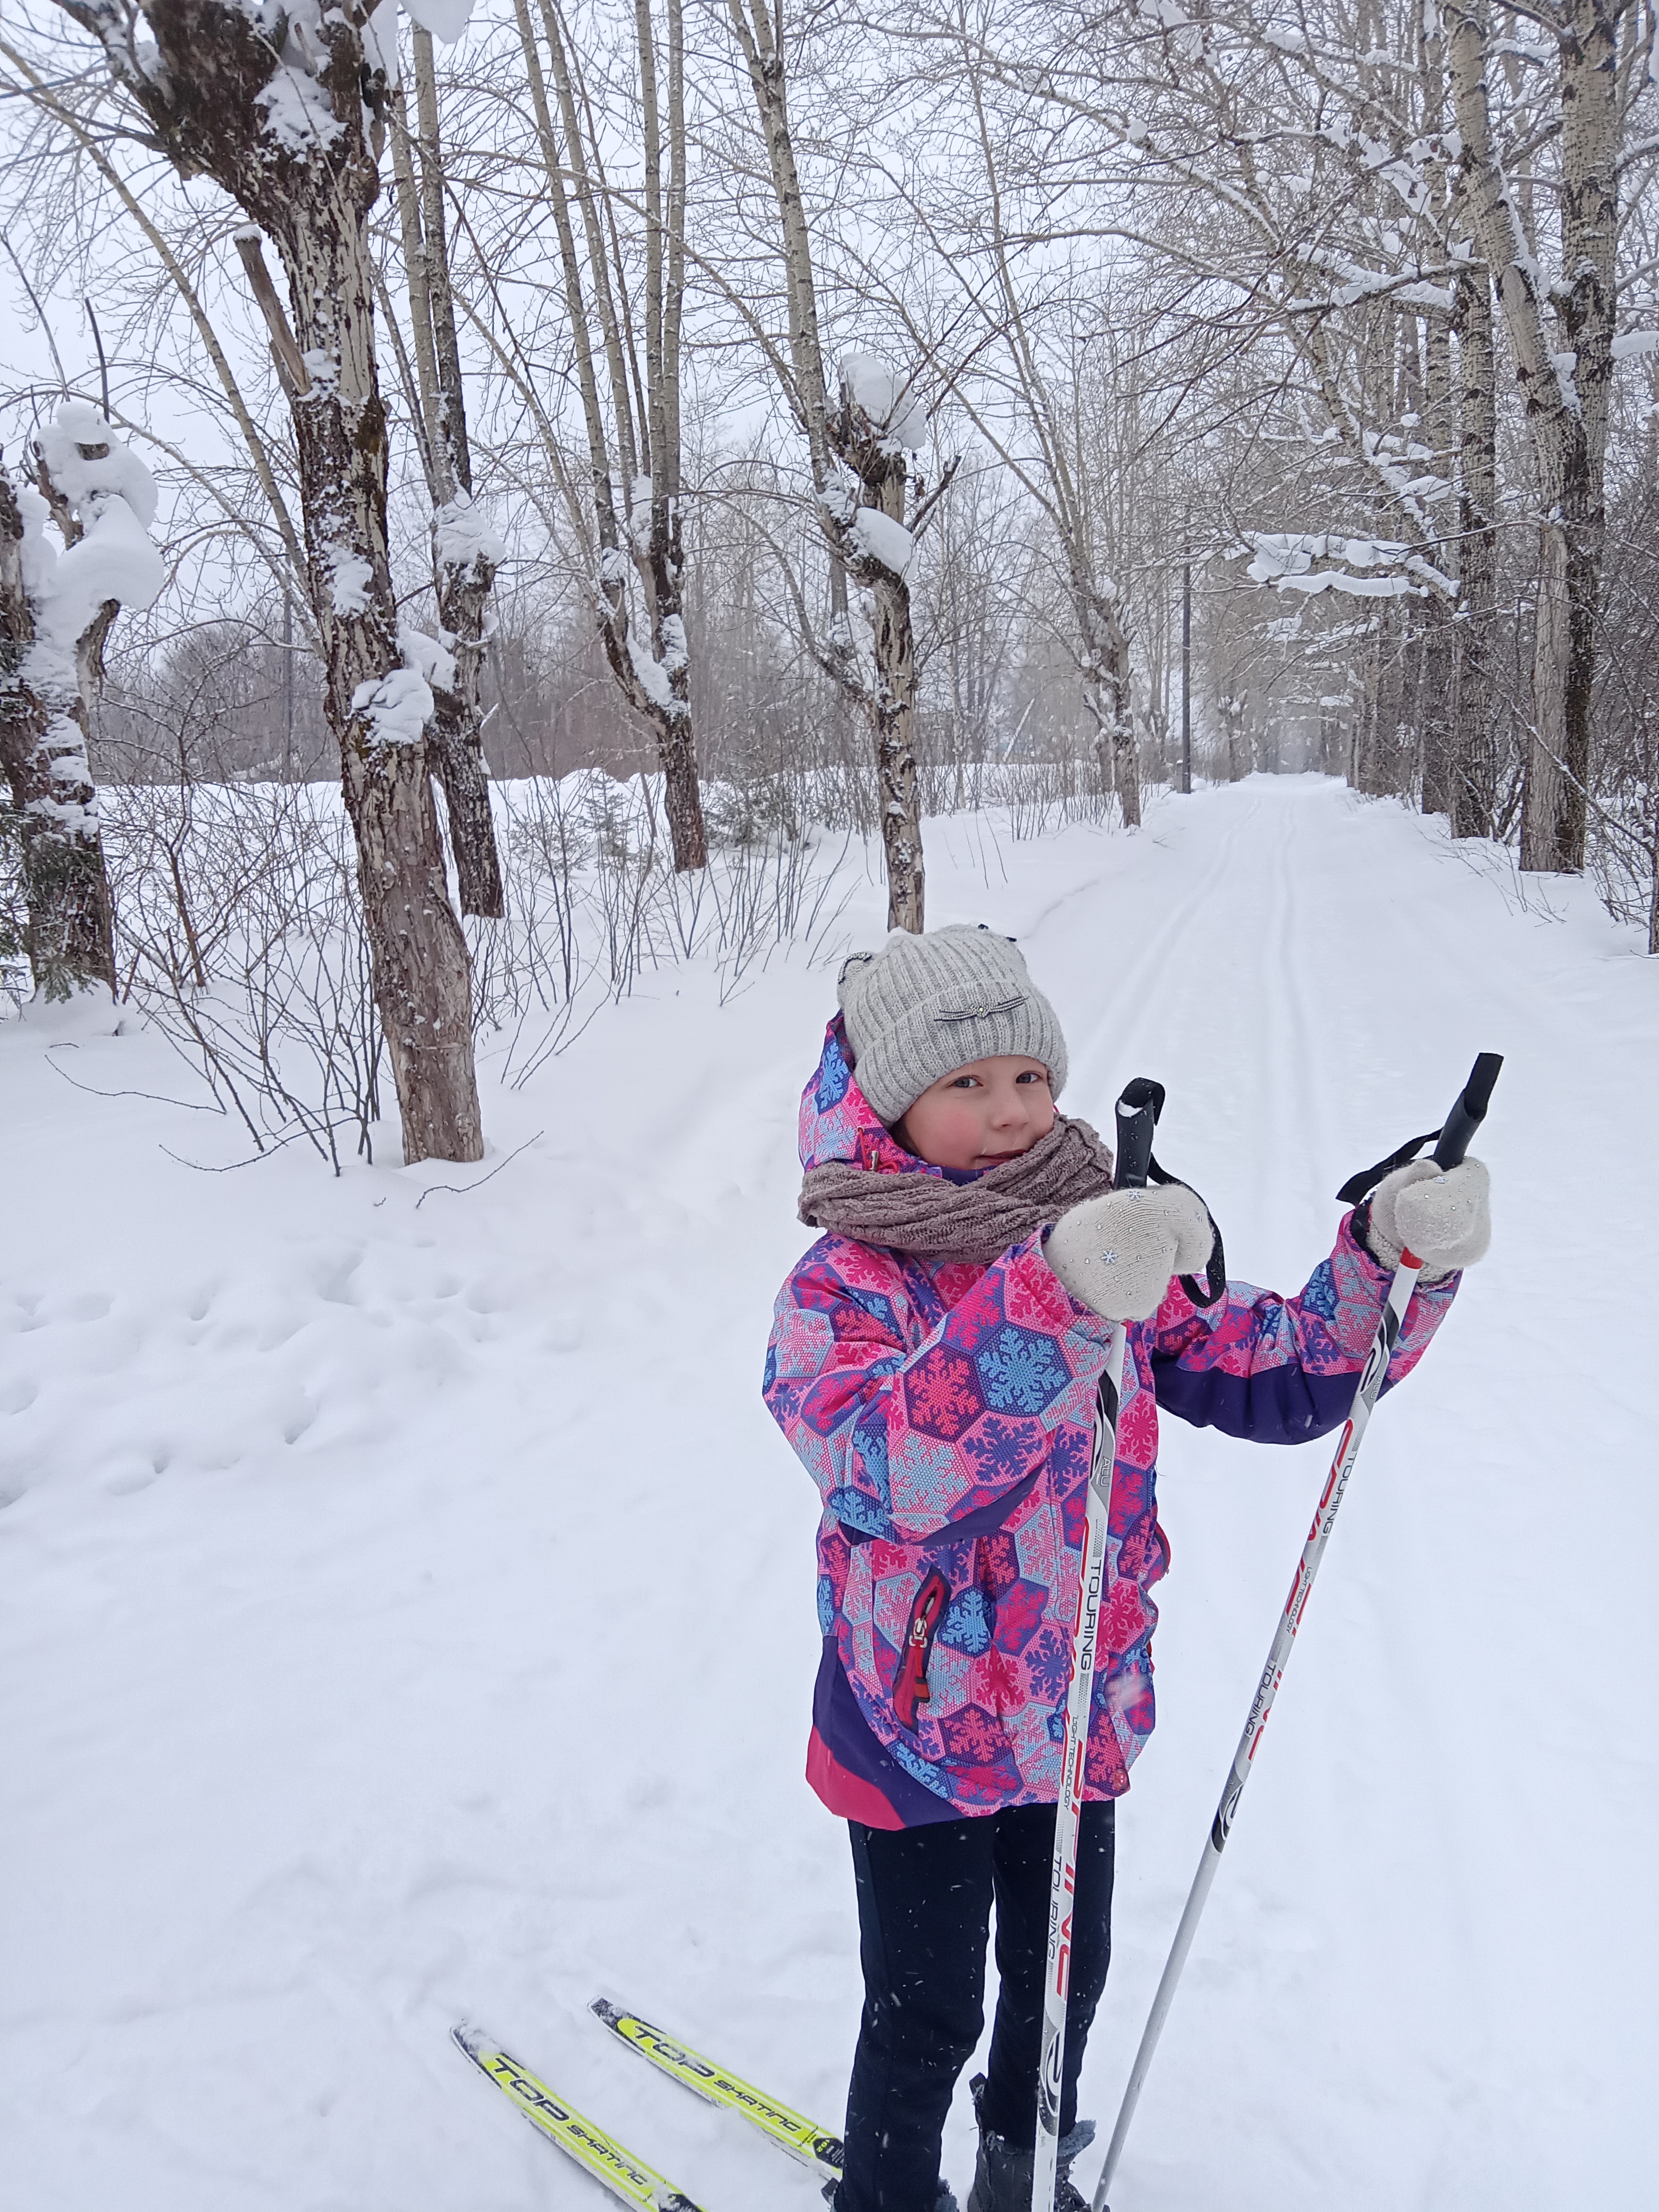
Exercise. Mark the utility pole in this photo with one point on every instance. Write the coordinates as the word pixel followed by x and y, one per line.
pixel 1187 671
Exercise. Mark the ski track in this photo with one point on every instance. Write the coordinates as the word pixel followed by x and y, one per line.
pixel 406 1611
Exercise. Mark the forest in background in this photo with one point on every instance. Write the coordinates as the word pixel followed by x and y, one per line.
pixel 822 421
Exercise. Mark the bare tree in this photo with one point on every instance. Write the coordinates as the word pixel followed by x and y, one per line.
pixel 866 507
pixel 625 321
pixel 289 120
pixel 466 552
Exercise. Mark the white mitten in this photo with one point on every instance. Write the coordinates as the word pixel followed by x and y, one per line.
pixel 1442 1215
pixel 1116 1253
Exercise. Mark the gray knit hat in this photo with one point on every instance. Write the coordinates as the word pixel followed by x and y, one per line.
pixel 923 1006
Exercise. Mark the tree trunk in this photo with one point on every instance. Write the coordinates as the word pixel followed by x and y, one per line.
pixel 1472 796
pixel 421 970
pixel 895 726
pixel 1435 706
pixel 1126 766
pixel 463 555
pixel 311 189
pixel 1590 228
pixel 43 743
pixel 887 691
pixel 1438 661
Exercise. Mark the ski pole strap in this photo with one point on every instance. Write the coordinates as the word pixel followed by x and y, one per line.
pixel 1451 1140
pixel 1207 1293
pixel 1362 1184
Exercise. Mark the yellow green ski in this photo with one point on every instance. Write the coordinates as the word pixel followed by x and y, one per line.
pixel 594 2151
pixel 794 2135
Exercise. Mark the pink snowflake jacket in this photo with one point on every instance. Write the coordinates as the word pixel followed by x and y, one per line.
pixel 946 1413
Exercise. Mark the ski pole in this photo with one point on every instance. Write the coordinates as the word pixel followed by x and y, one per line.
pixel 1137 1111
pixel 1461 1125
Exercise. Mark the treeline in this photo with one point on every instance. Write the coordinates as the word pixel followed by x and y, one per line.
pixel 817 417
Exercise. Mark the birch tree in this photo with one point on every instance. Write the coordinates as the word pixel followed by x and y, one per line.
pixel 1560 315
pixel 625 319
pixel 465 551
pixel 868 507
pixel 288 117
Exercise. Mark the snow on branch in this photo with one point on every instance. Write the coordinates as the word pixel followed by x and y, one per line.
pixel 105 499
pixel 110 497
pixel 888 400
pixel 882 539
pixel 1386 569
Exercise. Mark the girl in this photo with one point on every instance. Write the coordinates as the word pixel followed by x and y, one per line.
pixel 933 1361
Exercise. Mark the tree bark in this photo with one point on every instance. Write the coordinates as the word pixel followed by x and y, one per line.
pixel 69 935
pixel 1436 713
pixel 1472 796
pixel 463 566
pixel 303 164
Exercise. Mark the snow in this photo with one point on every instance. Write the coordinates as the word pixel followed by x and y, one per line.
pixel 445 19
pixel 648 672
pixel 1634 343
pixel 883 540
pixel 115 560
pixel 350 578
pixel 1284 560
pixel 111 494
pixel 299 114
pixel 409 1604
pixel 429 656
pixel 89 464
pixel 461 535
pixel 888 400
pixel 399 704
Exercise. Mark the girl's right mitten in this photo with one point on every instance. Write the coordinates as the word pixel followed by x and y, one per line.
pixel 1117 1252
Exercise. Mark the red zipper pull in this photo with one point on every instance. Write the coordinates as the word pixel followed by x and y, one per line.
pixel 910 1689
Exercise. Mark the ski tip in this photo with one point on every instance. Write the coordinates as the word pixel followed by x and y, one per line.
pixel 602 2008
pixel 476 2042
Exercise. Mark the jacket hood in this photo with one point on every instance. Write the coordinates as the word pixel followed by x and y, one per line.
pixel 838 1122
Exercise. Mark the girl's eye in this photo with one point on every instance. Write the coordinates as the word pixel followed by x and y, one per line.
pixel 1031 1075
pixel 965 1083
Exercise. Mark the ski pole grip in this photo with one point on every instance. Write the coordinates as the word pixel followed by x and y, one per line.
pixel 1469 1112
pixel 1137 1115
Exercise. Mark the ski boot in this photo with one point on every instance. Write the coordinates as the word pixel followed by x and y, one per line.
pixel 945 2201
pixel 1002 2174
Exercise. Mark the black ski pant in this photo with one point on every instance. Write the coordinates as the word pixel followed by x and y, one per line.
pixel 925 1897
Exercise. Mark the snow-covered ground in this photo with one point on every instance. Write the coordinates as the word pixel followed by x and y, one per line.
pixel 406 1605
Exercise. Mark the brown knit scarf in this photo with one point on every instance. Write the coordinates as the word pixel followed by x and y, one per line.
pixel 968 1220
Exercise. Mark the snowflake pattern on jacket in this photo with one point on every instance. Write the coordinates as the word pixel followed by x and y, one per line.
pixel 945 1411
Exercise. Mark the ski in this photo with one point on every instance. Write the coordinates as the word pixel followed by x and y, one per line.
pixel 598 2154
pixel 790 2132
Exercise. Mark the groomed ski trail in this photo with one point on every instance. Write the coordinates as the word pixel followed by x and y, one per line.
pixel 411 1610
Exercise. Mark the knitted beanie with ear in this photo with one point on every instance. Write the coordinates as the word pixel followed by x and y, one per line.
pixel 922 1006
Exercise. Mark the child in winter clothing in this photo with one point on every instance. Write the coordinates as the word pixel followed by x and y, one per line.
pixel 933 1361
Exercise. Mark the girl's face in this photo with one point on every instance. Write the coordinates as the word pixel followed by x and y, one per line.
pixel 985 1112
